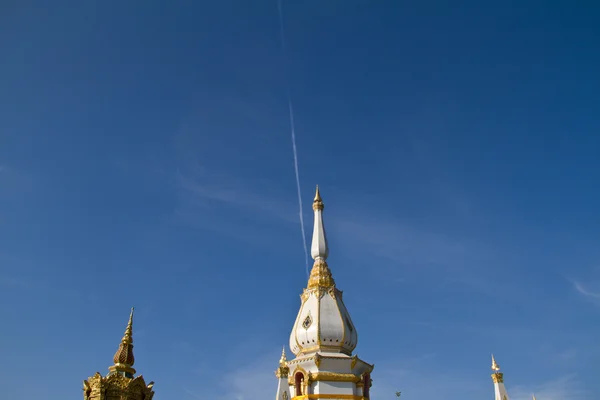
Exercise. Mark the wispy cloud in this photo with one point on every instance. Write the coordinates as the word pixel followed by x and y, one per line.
pixel 416 377
pixel 559 388
pixel 202 186
pixel 204 190
pixel 400 242
pixel 251 380
pixel 586 292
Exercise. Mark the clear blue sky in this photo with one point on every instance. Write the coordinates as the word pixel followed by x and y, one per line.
pixel 145 160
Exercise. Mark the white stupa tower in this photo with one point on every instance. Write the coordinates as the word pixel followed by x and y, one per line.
pixel 282 374
pixel 498 378
pixel 324 337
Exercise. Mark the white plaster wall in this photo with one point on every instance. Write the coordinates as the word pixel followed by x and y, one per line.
pixel 322 387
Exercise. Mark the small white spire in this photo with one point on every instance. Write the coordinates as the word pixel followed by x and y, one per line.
pixel 495 366
pixel 498 379
pixel 319 248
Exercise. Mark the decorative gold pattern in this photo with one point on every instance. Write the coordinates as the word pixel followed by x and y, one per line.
pixel 302 371
pixel 332 377
pixel 317 359
pixel 124 358
pixel 283 371
pixel 284 395
pixel 318 202
pixel 119 384
pixel 319 316
pixel 338 348
pixel 354 360
pixel 305 294
pixel 320 275
pixel 498 377
pixel 329 396
pixel 117 387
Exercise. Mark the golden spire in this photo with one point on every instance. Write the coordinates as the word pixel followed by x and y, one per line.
pixel 318 202
pixel 533 395
pixel 283 371
pixel 283 359
pixel 124 358
pixel 497 376
pixel 495 366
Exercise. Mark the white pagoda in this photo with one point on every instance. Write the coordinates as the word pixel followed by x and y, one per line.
pixel 323 337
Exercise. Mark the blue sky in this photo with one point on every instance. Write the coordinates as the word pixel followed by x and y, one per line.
pixel 145 160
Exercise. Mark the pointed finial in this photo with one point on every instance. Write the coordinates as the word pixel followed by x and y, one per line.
pixel 318 202
pixel 495 366
pixel 128 337
pixel 124 358
pixel 283 358
pixel 320 275
pixel 319 247
pixel 283 370
pixel 533 395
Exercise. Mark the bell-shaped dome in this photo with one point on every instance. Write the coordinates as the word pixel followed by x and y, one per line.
pixel 323 322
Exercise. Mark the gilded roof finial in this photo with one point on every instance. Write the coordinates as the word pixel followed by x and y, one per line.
pixel 283 371
pixel 495 366
pixel 318 202
pixel 319 247
pixel 320 275
pixel 533 395
pixel 128 337
pixel 283 359
pixel 124 358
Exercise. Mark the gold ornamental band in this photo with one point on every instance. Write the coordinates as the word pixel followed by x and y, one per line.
pixel 330 396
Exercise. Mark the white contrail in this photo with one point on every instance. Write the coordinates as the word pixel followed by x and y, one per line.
pixel 291 109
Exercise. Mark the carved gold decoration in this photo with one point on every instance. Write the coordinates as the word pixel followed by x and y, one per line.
pixel 329 396
pixel 498 377
pixel 283 370
pixel 354 360
pixel 117 386
pixel 317 359
pixel 304 295
pixel 333 377
pixel 124 358
pixel 284 395
pixel 320 275
pixel 318 202
pixel 319 322
pixel 302 371
pixel 331 292
pixel 120 382
pixel 337 348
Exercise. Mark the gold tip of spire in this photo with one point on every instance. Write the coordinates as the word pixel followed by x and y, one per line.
pixel 318 201
pixel 283 358
pixel 283 371
pixel 533 396
pixel 495 366
pixel 124 358
pixel 128 337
